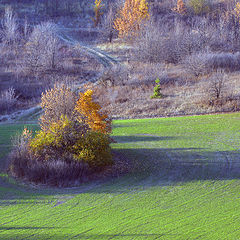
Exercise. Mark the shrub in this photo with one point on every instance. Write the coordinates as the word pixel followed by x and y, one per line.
pixel 217 85
pixel 157 44
pixel 58 101
pixel 228 61
pixel 70 141
pixel 78 144
pixel 116 75
pixel 200 63
pixel 54 173
pixel 180 8
pixel 57 140
pixel 94 149
pixel 21 141
pixel 9 33
pixel 199 6
pixel 8 99
pixel 157 90
pixel 196 64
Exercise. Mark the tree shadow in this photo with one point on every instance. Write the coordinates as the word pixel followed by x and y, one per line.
pixel 25 228
pixel 91 236
pixel 5 201
pixel 155 167
pixel 192 163
pixel 147 168
pixel 143 138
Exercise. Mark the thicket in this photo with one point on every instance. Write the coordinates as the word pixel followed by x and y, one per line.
pixel 70 146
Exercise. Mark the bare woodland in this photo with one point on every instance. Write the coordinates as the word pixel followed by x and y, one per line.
pixel 191 46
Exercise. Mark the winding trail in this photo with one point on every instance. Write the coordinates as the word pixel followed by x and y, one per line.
pixel 106 60
pixel 102 57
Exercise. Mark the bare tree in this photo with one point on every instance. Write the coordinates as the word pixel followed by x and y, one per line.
pixel 41 50
pixel 9 33
pixel 8 99
pixel 108 23
pixel 217 85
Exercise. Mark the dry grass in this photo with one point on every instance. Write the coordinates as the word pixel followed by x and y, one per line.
pixel 74 69
pixel 184 94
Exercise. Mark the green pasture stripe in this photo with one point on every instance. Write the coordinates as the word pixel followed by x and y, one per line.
pixel 184 183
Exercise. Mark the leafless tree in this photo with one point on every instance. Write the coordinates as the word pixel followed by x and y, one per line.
pixel 217 85
pixel 41 50
pixel 109 21
pixel 8 99
pixel 9 33
pixel 196 64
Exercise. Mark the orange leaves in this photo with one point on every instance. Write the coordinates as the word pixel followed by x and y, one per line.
pixel 130 17
pixel 180 7
pixel 90 112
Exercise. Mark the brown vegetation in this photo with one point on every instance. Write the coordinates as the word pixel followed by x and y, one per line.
pixel 184 48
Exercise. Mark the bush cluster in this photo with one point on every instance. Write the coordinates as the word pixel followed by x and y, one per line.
pixel 202 63
pixel 69 147
pixel 199 6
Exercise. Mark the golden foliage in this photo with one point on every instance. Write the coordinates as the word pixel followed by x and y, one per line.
pixel 70 141
pixel 90 112
pixel 130 17
pixel 97 11
pixel 236 11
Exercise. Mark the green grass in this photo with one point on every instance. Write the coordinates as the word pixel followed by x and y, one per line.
pixel 184 185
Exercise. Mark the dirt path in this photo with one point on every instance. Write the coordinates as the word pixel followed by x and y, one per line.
pixel 102 57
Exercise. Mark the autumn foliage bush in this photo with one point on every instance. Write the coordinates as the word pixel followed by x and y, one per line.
pixel 78 139
pixel 130 17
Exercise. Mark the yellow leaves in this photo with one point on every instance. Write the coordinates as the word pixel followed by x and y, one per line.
pixel 90 112
pixel 130 17
pixel 97 10
pixel 237 10
pixel 81 137
pixel 143 9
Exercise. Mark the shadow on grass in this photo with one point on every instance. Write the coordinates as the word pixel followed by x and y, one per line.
pixel 21 201
pixel 90 236
pixel 184 164
pixel 143 138
pixel 153 167
pixel 25 228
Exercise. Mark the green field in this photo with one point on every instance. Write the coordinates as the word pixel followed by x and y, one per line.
pixel 184 184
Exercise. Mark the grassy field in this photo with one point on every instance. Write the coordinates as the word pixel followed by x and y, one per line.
pixel 184 184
